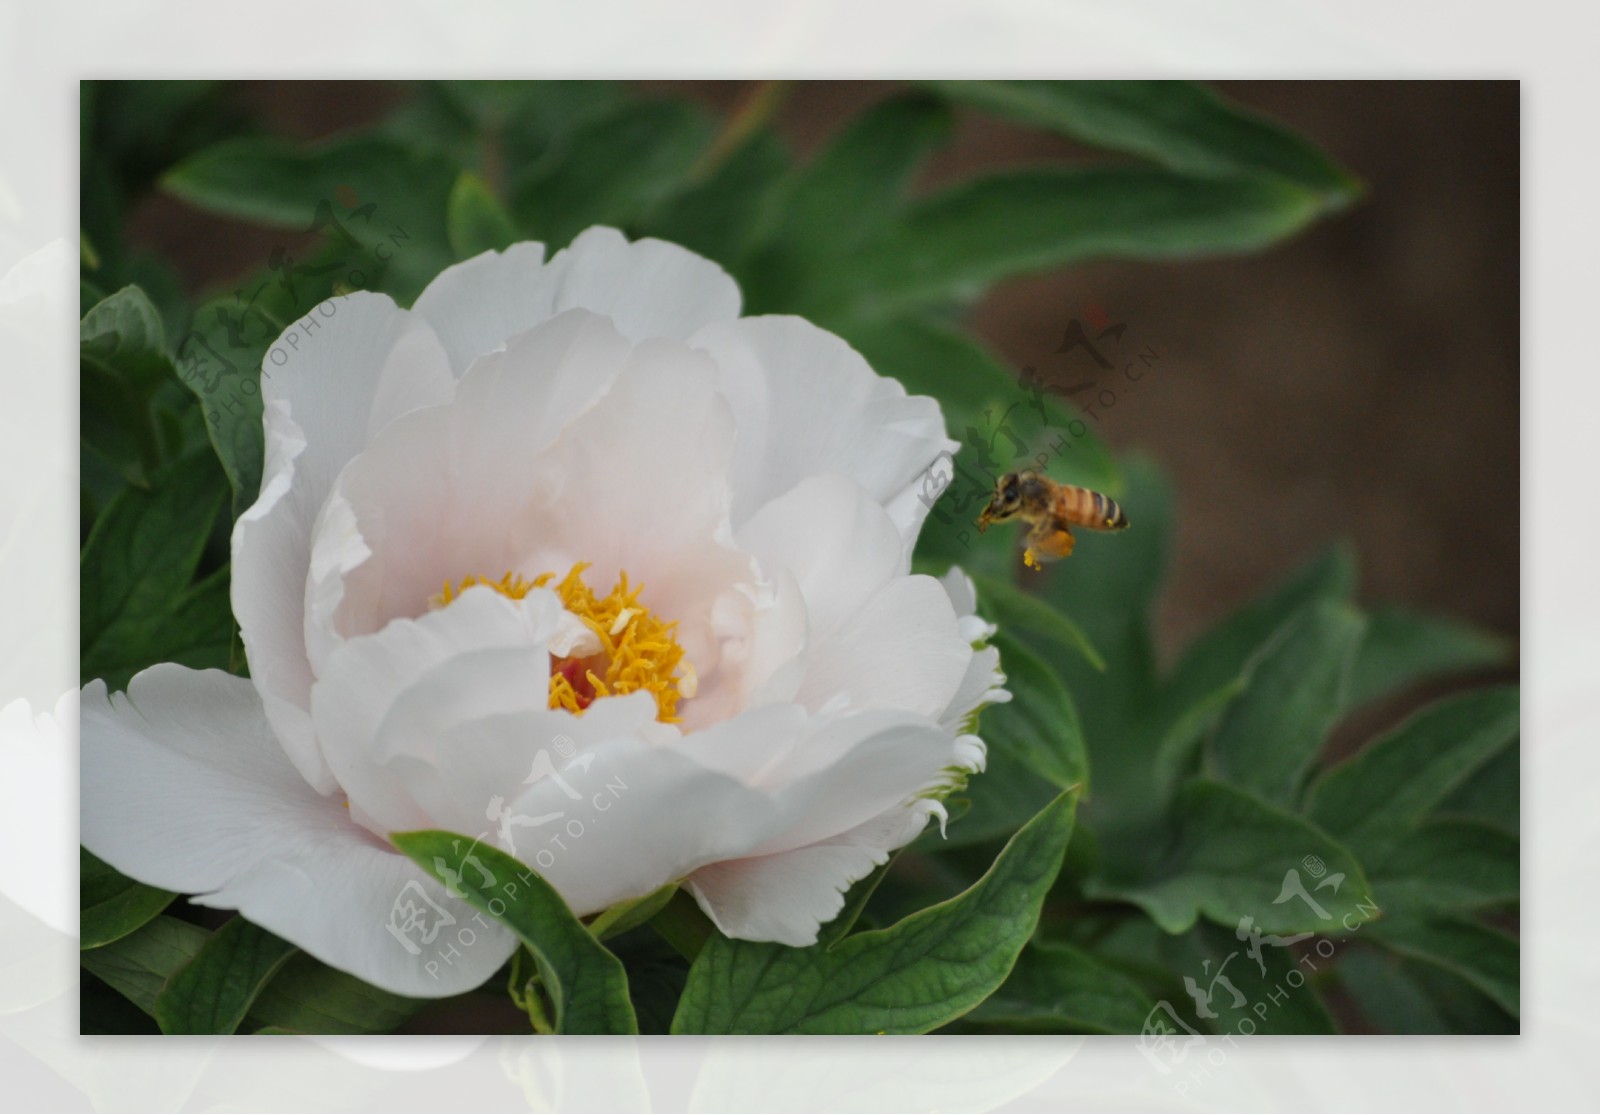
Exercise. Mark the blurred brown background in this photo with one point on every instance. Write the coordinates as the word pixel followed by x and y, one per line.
pixel 1360 381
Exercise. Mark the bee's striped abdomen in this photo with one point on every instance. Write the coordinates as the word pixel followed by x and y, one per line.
pixel 1085 508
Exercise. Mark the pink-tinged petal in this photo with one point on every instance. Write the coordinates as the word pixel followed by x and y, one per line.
pixel 639 484
pixel 636 482
pixel 184 787
pixel 443 492
pixel 648 288
pixel 348 369
pixel 806 403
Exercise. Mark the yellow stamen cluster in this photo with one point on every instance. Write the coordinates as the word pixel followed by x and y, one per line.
pixel 510 585
pixel 637 650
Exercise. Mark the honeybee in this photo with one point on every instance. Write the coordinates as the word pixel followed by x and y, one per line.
pixel 1052 509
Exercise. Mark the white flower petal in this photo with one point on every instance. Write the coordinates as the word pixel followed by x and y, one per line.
pixel 639 484
pixel 825 774
pixel 902 648
pixel 962 592
pixel 184 787
pixel 473 734
pixel 806 403
pixel 442 494
pixel 837 541
pixel 475 305
pixel 368 676
pixel 853 769
pixel 328 385
pixel 982 684
pixel 649 288
pixel 631 817
pixel 788 896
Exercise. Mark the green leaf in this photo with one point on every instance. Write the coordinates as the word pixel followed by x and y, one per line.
pixel 382 203
pixel 1372 799
pixel 587 985
pixel 222 369
pixel 1401 996
pixel 475 220
pixel 999 802
pixel 1178 124
pixel 840 198
pixel 1017 612
pixel 1230 855
pixel 956 243
pixel 1039 725
pixel 628 915
pixel 683 925
pixel 655 983
pixel 1492 795
pixel 1221 655
pixel 915 976
pixel 1450 865
pixel 112 905
pixel 723 215
pixel 1056 988
pixel 1175 755
pixel 123 337
pixel 1109 587
pixel 140 964
pixel 212 992
pixel 484 123
pixel 104 1010
pixel 861 177
pixel 855 901
pixel 124 363
pixel 610 169
pixel 1274 993
pixel 1272 732
pixel 309 997
pixel 220 361
pixel 1403 647
pixel 136 605
pixel 1485 958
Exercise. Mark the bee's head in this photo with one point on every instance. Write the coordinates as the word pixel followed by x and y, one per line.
pixel 1006 501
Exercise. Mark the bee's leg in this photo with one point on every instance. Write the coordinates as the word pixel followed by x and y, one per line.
pixel 1047 542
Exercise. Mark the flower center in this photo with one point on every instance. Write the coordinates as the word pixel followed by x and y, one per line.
pixel 637 650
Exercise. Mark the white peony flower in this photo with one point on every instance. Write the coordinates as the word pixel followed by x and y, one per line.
pixel 573 558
